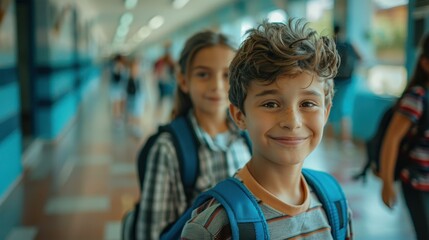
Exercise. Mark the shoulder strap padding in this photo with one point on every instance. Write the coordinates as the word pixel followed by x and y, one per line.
pixel 186 145
pixel 241 207
pixel 333 199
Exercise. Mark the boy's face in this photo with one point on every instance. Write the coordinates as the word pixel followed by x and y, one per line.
pixel 285 119
pixel 207 80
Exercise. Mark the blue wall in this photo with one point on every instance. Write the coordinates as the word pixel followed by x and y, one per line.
pixel 64 69
pixel 63 66
pixel 10 132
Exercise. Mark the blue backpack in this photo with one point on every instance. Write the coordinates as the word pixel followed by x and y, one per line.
pixel 186 145
pixel 244 212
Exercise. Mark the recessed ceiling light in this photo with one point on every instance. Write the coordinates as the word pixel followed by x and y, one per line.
pixel 122 31
pixel 179 3
pixel 126 18
pixel 144 32
pixel 156 22
pixel 129 4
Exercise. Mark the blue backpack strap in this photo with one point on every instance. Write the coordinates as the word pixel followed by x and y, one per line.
pixel 186 144
pixel 333 199
pixel 245 216
pixel 175 230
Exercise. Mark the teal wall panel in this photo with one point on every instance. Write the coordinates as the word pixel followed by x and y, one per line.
pixel 51 120
pixel 9 99
pixel 10 160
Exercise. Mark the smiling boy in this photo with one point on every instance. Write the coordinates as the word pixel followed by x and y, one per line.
pixel 281 92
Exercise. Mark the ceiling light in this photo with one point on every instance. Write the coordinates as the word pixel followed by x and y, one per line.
pixel 126 18
pixel 156 22
pixel 179 3
pixel 122 31
pixel 144 32
pixel 129 4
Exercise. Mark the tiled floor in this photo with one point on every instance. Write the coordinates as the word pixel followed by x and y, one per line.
pixel 80 186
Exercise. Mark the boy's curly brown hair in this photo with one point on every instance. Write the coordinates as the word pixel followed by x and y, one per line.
pixel 272 50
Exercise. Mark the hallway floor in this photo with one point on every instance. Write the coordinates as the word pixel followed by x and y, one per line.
pixel 79 186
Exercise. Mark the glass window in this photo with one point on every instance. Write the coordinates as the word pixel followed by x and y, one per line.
pixel 388 34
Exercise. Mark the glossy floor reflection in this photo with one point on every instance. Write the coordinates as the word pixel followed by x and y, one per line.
pixel 80 186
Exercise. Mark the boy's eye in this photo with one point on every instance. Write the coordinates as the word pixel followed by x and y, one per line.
pixel 308 104
pixel 270 105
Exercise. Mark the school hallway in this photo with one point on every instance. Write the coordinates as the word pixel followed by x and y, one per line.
pixel 80 186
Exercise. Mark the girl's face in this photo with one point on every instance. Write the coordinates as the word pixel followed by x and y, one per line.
pixel 207 82
pixel 285 119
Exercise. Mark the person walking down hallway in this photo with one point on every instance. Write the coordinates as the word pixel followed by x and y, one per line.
pixel 343 84
pixel 164 74
pixel 135 98
pixel 407 140
pixel 117 85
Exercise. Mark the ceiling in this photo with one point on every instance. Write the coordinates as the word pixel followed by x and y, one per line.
pixel 106 15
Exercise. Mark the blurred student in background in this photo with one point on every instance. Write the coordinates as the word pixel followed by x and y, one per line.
pixel 340 119
pixel 117 85
pixel 135 97
pixel 164 73
pixel 410 124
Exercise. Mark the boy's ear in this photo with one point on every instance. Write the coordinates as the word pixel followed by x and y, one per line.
pixel 181 81
pixel 238 116
pixel 327 112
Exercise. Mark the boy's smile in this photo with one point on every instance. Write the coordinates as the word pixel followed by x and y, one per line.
pixel 285 119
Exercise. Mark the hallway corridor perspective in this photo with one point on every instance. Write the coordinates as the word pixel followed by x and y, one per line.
pixel 80 186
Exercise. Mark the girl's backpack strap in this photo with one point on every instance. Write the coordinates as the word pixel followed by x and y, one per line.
pixel 186 144
pixel 333 200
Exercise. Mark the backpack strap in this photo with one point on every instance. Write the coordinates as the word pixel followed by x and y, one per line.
pixel 186 146
pixel 333 200
pixel 245 216
pixel 187 155
pixel 187 152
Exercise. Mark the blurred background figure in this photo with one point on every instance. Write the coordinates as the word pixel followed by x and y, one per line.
pixel 407 138
pixel 340 119
pixel 164 76
pixel 135 97
pixel 117 85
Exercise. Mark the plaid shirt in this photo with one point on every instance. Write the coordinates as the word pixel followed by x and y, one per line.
pixel 412 105
pixel 163 198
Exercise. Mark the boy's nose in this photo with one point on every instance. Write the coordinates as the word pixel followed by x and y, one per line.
pixel 290 119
